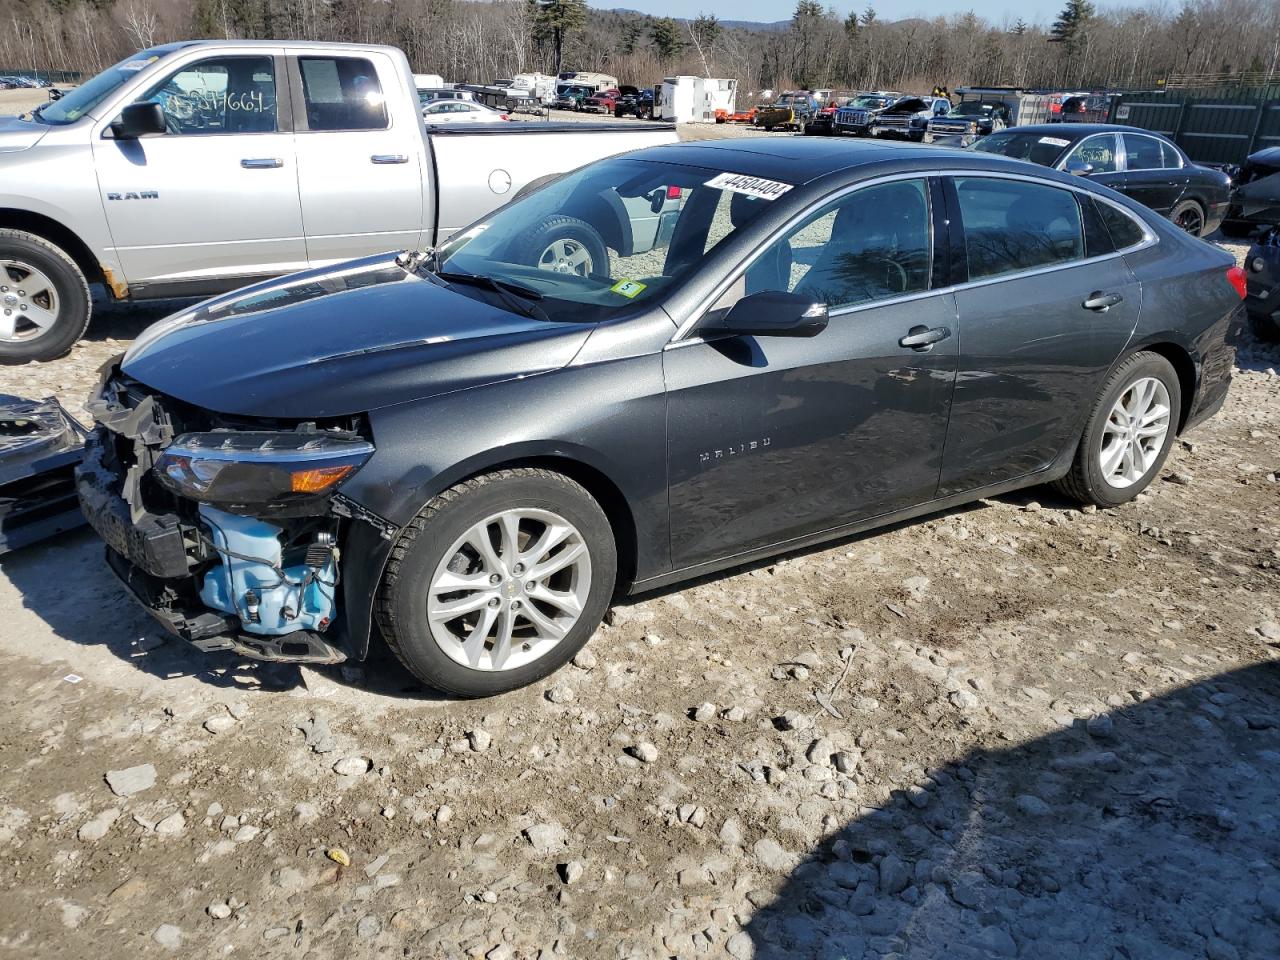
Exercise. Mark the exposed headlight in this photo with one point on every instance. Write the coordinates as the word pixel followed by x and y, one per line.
pixel 259 468
pixel 973 126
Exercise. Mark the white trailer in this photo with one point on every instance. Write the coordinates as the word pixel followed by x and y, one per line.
pixel 688 99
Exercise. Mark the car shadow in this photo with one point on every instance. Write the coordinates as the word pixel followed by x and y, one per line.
pixel 1149 833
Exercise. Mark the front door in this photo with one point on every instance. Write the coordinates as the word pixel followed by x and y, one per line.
pixel 1048 306
pixel 359 162
pixel 770 438
pixel 217 194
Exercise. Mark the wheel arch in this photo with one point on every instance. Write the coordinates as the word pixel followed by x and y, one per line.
pixel 13 218
pixel 1184 365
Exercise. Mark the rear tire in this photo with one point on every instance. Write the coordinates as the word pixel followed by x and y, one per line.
pixel 62 304
pixel 436 545
pixel 1097 472
pixel 1189 216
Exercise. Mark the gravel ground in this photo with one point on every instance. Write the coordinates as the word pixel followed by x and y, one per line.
pixel 1014 729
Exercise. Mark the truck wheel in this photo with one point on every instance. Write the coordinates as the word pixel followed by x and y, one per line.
pixel 498 581
pixel 564 245
pixel 1129 433
pixel 44 299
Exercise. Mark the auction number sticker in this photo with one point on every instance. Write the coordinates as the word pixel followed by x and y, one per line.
pixel 1055 141
pixel 751 186
pixel 628 288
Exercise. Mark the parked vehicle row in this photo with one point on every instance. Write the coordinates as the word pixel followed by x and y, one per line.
pixel 20 82
pixel 821 340
pixel 178 172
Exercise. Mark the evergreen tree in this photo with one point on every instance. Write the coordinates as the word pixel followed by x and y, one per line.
pixel 667 37
pixel 1073 23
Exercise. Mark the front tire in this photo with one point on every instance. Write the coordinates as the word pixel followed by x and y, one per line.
pixel 549 547
pixel 1131 428
pixel 44 299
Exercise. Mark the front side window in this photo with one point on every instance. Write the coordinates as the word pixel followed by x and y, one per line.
pixel 1143 153
pixel 874 244
pixel 1097 152
pixel 1013 225
pixel 220 95
pixel 342 93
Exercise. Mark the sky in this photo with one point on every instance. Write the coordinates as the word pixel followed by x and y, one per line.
pixel 1043 11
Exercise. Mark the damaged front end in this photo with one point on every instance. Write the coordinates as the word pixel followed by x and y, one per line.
pixel 229 530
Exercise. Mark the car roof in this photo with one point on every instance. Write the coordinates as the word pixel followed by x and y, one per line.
pixel 801 160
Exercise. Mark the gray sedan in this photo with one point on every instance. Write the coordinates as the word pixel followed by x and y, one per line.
pixel 823 338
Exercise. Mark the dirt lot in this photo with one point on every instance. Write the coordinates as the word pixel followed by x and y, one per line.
pixel 1016 729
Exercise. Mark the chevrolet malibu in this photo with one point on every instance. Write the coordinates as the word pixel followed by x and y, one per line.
pixel 472 450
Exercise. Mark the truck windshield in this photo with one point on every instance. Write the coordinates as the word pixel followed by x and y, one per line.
pixel 600 240
pixel 76 103
pixel 971 109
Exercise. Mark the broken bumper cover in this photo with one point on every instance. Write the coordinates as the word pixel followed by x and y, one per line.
pixel 40 446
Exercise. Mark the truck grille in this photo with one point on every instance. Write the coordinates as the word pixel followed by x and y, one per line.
pixel 901 120
pixel 950 126
pixel 852 118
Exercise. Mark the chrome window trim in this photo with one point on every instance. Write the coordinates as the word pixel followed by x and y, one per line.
pixel 1146 136
pixel 1061 165
pixel 1149 239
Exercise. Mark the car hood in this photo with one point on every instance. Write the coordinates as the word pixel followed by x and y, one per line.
pixel 343 340
pixel 18 134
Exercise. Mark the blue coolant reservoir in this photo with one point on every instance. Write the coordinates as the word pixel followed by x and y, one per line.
pixel 283 604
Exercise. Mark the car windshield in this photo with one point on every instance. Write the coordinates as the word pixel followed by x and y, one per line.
pixel 1037 147
pixel 871 102
pixel 597 242
pixel 74 104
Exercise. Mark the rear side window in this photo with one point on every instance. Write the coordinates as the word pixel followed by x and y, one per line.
pixel 1143 153
pixel 1124 230
pixel 342 93
pixel 1013 225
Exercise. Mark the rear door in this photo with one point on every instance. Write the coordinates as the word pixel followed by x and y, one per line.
pixel 360 176
pixel 1152 176
pixel 1045 306
pixel 214 199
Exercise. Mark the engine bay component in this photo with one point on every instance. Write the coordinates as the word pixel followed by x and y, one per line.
pixel 40 446
pixel 272 590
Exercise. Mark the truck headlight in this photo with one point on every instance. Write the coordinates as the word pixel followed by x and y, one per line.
pixel 259 468
pixel 973 127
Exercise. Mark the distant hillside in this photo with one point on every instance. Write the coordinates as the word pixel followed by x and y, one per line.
pixel 774 26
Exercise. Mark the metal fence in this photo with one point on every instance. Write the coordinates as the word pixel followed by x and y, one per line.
pixel 53 76
pixel 1212 126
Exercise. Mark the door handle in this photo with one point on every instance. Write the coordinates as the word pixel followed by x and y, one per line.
pixel 1101 302
pixel 921 339
pixel 261 163
pixel 389 158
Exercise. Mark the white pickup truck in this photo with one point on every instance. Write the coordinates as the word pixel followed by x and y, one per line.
pixel 193 168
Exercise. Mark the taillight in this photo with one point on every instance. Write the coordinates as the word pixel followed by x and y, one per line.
pixel 1235 277
pixel 673 193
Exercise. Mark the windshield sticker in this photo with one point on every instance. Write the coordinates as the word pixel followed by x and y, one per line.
pixel 1055 141
pixel 628 288
pixel 751 186
pixel 133 66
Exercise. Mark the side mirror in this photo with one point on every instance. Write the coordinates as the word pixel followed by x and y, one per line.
pixel 55 93
pixel 775 313
pixel 137 120
pixel 1079 168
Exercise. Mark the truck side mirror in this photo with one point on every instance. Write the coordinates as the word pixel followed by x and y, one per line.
pixel 137 120
pixel 55 93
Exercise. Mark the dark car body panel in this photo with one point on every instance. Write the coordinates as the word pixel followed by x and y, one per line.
pixel 1255 199
pixel 708 451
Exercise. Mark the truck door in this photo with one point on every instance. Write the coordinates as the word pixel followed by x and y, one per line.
pixel 214 200
pixel 360 174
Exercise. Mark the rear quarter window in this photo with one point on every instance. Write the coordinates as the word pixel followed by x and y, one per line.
pixel 1124 229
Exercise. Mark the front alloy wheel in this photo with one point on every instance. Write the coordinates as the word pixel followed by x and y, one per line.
pixel 509 589
pixel 498 581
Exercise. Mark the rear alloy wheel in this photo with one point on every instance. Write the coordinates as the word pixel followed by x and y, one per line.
pixel 1130 430
pixel 498 582
pixel 44 300
pixel 1189 216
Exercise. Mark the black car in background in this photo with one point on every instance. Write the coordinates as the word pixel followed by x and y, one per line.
pixel 1255 194
pixel 634 103
pixel 1140 164
pixel 1262 277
